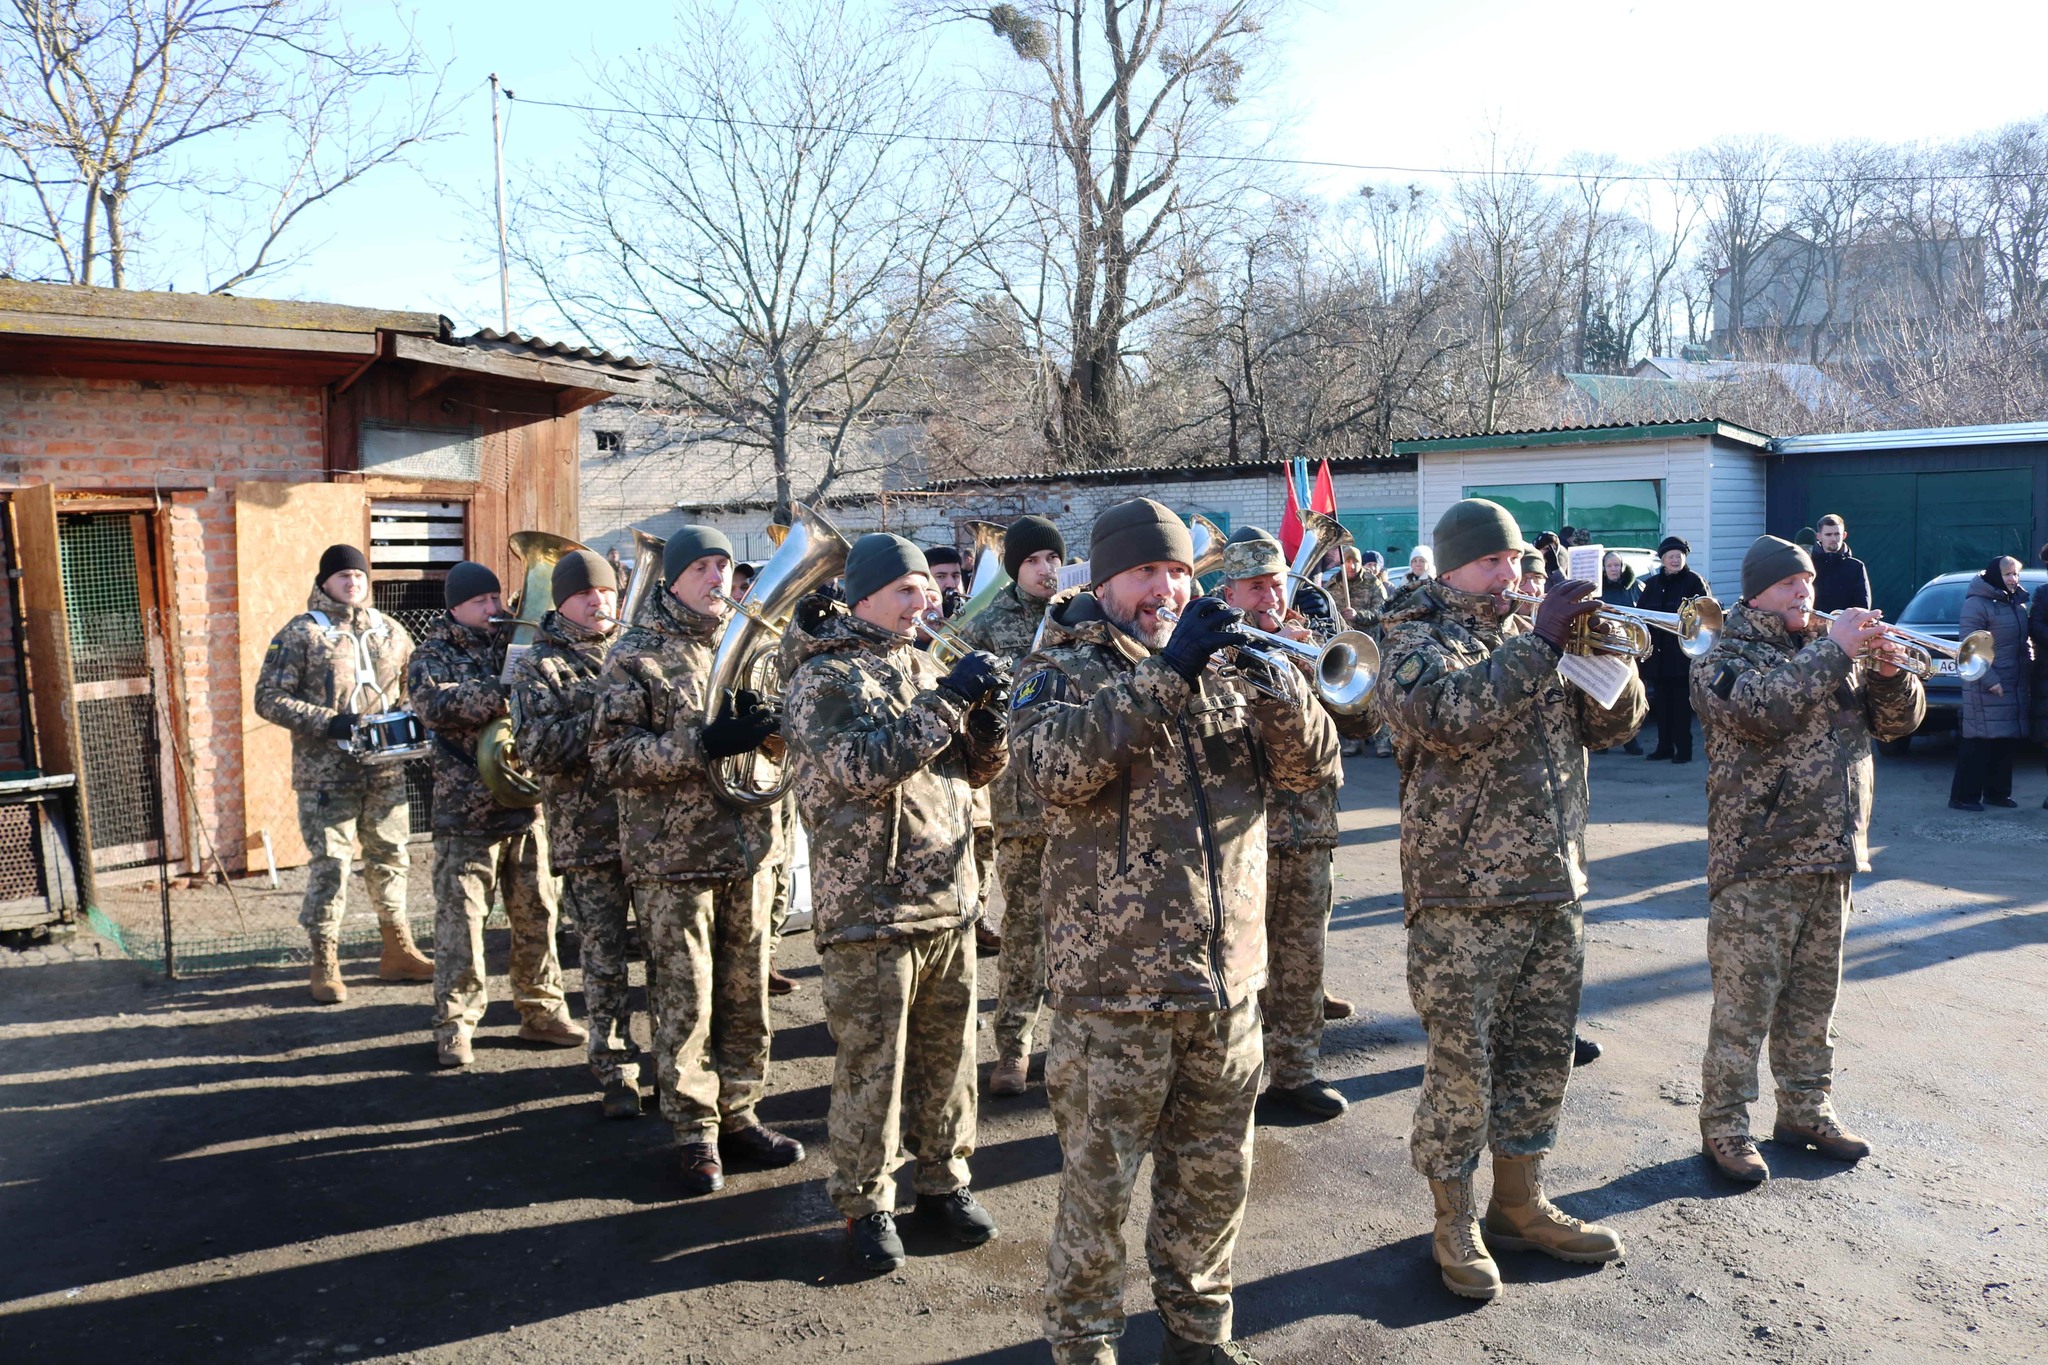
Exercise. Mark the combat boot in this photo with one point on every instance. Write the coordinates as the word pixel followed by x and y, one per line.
pixel 1824 1135
pixel 874 1242
pixel 401 961
pixel 1519 1218
pixel 551 1030
pixel 621 1100
pixel 1008 1078
pixel 326 978
pixel 1334 1008
pixel 1315 1097
pixel 1461 1257
pixel 1735 1156
pixel 454 1050
pixel 1178 1350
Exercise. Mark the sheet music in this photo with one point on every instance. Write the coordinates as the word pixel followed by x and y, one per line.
pixel 1600 676
pixel 1583 562
pixel 1073 575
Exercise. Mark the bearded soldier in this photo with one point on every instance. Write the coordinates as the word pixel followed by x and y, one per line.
pixel 1301 843
pixel 1492 744
pixel 700 868
pixel 1788 717
pixel 1032 550
pixel 1155 891
pixel 331 662
pixel 554 697
pixel 481 845
pixel 887 747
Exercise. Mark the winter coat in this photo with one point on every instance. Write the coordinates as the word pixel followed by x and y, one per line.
pixel 886 763
pixel 647 741
pixel 1156 806
pixel 1625 593
pixel 554 700
pixel 1666 592
pixel 2037 631
pixel 1788 725
pixel 310 676
pixel 1985 716
pixel 1839 579
pixel 454 684
pixel 1006 629
pixel 1491 742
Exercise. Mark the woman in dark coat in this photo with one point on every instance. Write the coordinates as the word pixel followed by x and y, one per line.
pixel 1618 588
pixel 1994 718
pixel 2037 636
pixel 1670 700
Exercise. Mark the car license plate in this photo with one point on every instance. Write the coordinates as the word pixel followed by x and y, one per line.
pixel 1945 667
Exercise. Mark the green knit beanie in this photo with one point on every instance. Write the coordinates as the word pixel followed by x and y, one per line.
pixel 1473 529
pixel 1769 562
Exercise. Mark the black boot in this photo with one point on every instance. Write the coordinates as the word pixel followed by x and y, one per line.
pixel 1178 1350
pixel 959 1215
pixel 1584 1050
pixel 1317 1098
pixel 761 1145
pixel 874 1242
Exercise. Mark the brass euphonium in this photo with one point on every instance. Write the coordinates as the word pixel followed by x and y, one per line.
pixel 1320 534
pixel 646 572
pixel 508 780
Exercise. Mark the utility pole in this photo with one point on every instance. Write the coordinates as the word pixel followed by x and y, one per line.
pixel 498 152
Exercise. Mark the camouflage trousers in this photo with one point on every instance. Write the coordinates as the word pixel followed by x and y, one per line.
pixel 782 880
pixel 984 853
pixel 1774 947
pixel 1179 1084
pixel 1022 988
pixel 1498 993
pixel 902 1013
pixel 468 868
pixel 707 988
pixel 331 823
pixel 1298 901
pixel 600 899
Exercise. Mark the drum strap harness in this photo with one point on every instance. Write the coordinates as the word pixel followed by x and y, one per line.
pixel 366 671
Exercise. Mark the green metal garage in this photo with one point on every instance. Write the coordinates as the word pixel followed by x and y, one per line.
pixel 1917 503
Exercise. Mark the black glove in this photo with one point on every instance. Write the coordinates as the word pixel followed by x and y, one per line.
pixel 987 724
pixel 976 678
pixel 1209 624
pixel 1567 600
pixel 814 611
pixel 343 726
pixel 950 602
pixel 741 729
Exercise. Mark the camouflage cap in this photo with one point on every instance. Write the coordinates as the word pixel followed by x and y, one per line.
pixel 1253 556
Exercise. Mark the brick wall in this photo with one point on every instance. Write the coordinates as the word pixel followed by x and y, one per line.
pixel 118 435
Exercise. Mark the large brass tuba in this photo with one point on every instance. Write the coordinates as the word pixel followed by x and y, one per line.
pixel 497 756
pixel 811 555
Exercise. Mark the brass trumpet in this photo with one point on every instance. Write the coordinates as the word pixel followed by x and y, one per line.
pixel 1974 653
pixel 1697 623
pixel 1346 669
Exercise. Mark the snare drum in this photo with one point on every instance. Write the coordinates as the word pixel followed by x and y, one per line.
pixel 387 737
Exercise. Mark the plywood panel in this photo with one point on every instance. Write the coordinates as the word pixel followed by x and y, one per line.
pixel 49 655
pixel 280 530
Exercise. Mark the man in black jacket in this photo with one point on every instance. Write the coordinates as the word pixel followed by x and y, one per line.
pixel 1666 672
pixel 1839 578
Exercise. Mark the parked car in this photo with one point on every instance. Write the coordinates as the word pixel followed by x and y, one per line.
pixel 1935 610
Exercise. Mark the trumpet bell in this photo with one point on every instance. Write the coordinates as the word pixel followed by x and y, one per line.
pixel 1347 671
pixel 1975 655
pixel 1700 622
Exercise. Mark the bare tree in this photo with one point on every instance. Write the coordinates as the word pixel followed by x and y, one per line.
pixel 776 216
pixel 1736 180
pixel 203 128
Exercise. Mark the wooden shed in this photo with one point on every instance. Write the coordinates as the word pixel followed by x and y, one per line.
pixel 173 465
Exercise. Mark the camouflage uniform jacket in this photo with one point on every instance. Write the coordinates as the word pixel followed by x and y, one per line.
pixel 1308 820
pixel 309 677
pixel 1156 801
pixel 1006 628
pixel 1788 726
pixel 554 697
pixel 455 687
pixel 1491 743
pixel 647 740
pixel 1368 600
pixel 885 765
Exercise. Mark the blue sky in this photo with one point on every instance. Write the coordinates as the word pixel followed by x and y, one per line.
pixel 1387 82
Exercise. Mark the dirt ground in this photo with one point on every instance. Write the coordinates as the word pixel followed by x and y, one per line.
pixel 217 1170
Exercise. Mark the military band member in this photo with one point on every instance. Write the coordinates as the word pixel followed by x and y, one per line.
pixel 700 868
pixel 554 699
pixel 1788 717
pixel 1492 745
pixel 337 659
pixel 1301 844
pixel 480 845
pixel 949 577
pixel 1032 550
pixel 887 745
pixel 1155 890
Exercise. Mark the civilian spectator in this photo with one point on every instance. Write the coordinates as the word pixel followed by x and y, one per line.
pixel 1618 588
pixel 2037 643
pixel 1994 718
pixel 1839 578
pixel 1666 672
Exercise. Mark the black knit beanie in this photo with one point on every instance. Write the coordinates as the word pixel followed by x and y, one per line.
pixel 1025 537
pixel 580 570
pixel 339 559
pixel 877 560
pixel 1769 562
pixel 690 544
pixel 1670 543
pixel 941 554
pixel 467 580
pixel 1140 531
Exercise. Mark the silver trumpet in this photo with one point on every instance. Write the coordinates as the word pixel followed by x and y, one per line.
pixel 1346 669
pixel 1914 652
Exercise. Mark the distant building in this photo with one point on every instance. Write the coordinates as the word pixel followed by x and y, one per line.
pixel 1798 298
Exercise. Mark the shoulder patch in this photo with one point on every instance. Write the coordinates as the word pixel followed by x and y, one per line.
pixel 1047 684
pixel 1725 680
pixel 1410 671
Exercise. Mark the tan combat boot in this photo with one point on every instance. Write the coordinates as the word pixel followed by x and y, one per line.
pixel 326 977
pixel 402 961
pixel 1467 1270
pixel 1008 1077
pixel 1519 1218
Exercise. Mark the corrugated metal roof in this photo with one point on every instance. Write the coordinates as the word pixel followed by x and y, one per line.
pixel 1604 433
pixel 516 343
pixel 1913 438
pixel 1117 473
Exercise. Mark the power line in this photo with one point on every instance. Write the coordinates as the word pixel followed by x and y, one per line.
pixel 1255 159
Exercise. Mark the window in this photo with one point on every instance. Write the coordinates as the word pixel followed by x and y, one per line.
pixel 421 452
pixel 1611 511
pixel 610 442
